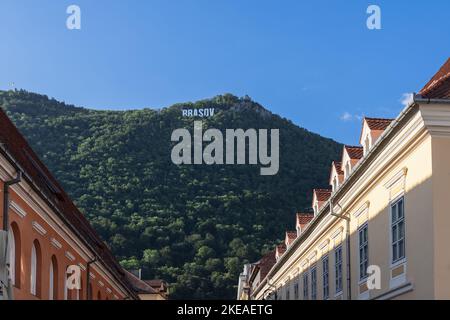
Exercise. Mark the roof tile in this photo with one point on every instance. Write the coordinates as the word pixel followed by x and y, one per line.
pixel 439 86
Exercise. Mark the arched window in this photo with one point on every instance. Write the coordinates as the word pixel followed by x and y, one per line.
pixel 14 254
pixel 335 184
pixel 53 288
pixel 99 295
pixel 36 269
pixel 366 145
pixel 347 170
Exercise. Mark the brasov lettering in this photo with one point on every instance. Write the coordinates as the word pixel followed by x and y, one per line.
pixel 206 112
pixel 235 144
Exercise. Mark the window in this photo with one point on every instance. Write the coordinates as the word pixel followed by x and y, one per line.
pixel 305 286
pixel 366 146
pixel 14 254
pixel 398 230
pixel 326 278
pixel 335 184
pixel 338 269
pixel 36 268
pixel 363 251
pixel 313 283
pixel 288 291
pixel 296 290
pixel 347 170
pixel 53 288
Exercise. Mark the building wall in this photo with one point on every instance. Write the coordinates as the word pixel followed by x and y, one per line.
pixel 32 221
pixel 441 216
pixel 412 165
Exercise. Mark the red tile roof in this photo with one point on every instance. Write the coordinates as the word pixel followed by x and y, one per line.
pixel 266 263
pixel 139 286
pixel 355 153
pixel 37 174
pixel 281 249
pixel 378 123
pixel 439 86
pixel 338 166
pixel 291 234
pixel 304 218
pixel 322 194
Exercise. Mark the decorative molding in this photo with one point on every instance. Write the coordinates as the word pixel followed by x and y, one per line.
pixel 101 284
pixel 436 118
pixel 338 232
pixel 108 290
pixel 312 257
pixel 70 256
pixel 55 243
pixel 399 176
pixel 116 297
pixel 407 287
pixel 82 266
pixel 361 209
pixel 324 245
pixel 17 209
pixel 40 229
pixel 92 275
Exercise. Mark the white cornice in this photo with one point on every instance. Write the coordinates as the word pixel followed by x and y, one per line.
pixel 56 243
pixel 17 209
pixel 40 229
pixel 69 256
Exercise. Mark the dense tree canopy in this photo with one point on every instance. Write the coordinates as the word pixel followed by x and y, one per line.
pixel 194 226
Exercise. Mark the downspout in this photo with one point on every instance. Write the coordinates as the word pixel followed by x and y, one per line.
pixel 6 187
pixel 88 271
pixel 348 255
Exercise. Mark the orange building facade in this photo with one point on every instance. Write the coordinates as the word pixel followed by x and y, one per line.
pixel 47 235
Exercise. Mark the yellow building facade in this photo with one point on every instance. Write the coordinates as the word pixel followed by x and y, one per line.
pixel 382 230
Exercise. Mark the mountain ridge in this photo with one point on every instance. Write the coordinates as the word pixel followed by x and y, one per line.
pixel 192 225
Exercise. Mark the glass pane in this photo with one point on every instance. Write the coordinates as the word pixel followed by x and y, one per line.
pixel 394 252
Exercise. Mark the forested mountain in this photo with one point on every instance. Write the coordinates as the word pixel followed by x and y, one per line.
pixel 194 226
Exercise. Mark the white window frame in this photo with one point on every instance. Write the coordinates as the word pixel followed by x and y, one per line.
pixel 393 203
pixel 12 256
pixel 363 276
pixel 314 283
pixel 296 289
pixel 326 276
pixel 305 286
pixel 51 281
pixel 33 273
pixel 338 279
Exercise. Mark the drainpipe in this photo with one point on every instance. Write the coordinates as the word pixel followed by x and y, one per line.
pixel 88 271
pixel 347 236
pixel 6 186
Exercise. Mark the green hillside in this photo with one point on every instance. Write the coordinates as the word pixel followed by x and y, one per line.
pixel 194 226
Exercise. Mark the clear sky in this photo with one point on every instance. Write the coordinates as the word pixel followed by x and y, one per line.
pixel 314 62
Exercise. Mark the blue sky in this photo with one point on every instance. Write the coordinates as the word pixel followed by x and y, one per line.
pixel 310 61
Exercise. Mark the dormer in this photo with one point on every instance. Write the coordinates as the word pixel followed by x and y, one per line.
pixel 372 129
pixel 279 251
pixel 289 238
pixel 336 175
pixel 303 219
pixel 350 158
pixel 320 197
